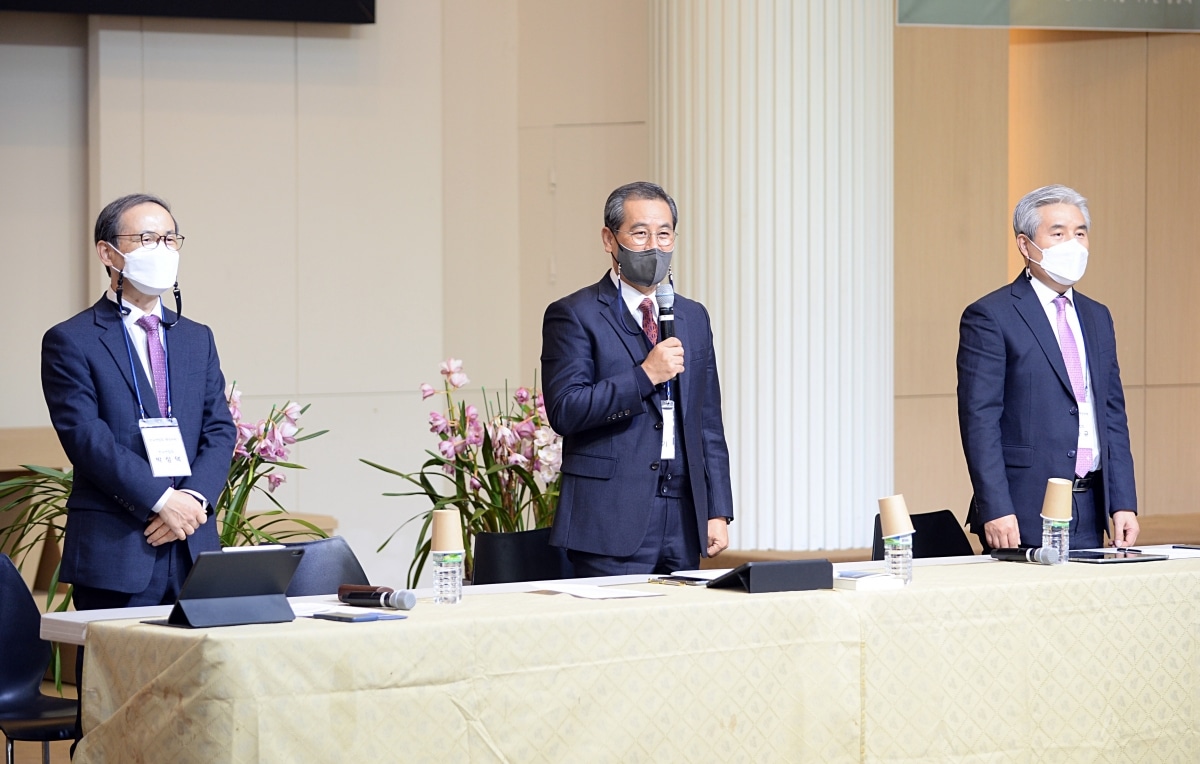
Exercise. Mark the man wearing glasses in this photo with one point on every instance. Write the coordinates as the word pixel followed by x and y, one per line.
pixel 136 394
pixel 645 483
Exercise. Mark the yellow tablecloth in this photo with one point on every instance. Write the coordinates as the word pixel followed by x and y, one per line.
pixel 989 662
pixel 695 675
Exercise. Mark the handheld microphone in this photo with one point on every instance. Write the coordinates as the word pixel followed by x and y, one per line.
pixel 665 295
pixel 401 600
pixel 1042 555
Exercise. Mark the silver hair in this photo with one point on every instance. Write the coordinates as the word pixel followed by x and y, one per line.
pixel 1027 215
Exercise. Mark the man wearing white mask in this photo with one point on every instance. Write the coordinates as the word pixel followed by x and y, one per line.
pixel 1039 390
pixel 136 395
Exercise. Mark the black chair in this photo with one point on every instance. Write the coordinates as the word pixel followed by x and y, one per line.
pixel 502 558
pixel 937 534
pixel 25 713
pixel 326 565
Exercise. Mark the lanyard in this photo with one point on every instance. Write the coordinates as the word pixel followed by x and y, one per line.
pixel 133 368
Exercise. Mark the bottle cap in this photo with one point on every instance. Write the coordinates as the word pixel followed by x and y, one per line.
pixel 1057 503
pixel 893 517
pixel 447 531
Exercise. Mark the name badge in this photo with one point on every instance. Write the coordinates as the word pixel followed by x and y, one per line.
pixel 668 415
pixel 164 447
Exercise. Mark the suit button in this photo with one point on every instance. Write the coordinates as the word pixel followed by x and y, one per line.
pixel 1071 453
pixel 658 425
pixel 627 412
pixel 653 465
pixel 1074 410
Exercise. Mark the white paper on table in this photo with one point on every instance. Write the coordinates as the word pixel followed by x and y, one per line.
pixel 593 592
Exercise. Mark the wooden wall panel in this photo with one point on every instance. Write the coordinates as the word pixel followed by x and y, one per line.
pixel 1172 193
pixel 951 193
pixel 1077 116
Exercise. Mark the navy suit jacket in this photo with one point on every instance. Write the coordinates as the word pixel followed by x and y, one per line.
pixel 603 404
pixel 88 383
pixel 1017 412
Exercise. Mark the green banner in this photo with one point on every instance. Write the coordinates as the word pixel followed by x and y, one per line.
pixel 1124 15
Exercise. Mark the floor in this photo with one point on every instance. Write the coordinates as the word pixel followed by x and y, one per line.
pixel 31 753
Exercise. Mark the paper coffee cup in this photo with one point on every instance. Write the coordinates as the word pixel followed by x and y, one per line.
pixel 1057 503
pixel 447 531
pixel 893 516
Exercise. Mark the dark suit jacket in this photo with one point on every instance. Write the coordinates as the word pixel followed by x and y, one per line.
pixel 603 404
pixel 1017 412
pixel 86 378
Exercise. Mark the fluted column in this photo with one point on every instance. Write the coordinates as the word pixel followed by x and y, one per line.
pixel 771 125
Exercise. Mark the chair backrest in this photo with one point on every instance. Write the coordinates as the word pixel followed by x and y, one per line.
pixel 23 654
pixel 936 534
pixel 326 565
pixel 502 558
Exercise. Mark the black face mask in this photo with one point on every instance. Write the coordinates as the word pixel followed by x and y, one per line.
pixel 646 268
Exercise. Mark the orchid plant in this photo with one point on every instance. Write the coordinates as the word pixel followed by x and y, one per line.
pixel 261 450
pixel 499 467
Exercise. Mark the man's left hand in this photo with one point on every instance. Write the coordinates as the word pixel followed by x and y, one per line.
pixel 718 536
pixel 1124 528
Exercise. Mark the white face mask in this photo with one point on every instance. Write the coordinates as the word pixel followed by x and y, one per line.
pixel 1065 263
pixel 152 270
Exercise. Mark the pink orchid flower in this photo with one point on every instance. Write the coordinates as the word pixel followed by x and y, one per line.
pixel 274 480
pixel 458 379
pixel 522 395
pixel 525 429
pixel 291 412
pixel 427 391
pixel 438 423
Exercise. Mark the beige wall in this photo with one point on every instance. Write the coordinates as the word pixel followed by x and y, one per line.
pixel 982 117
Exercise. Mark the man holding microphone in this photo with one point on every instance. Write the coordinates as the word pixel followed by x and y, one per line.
pixel 646 483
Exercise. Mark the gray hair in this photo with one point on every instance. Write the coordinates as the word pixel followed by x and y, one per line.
pixel 1027 216
pixel 614 208
pixel 108 223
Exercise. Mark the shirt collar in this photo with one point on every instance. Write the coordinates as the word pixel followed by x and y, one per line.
pixel 135 312
pixel 633 298
pixel 1046 295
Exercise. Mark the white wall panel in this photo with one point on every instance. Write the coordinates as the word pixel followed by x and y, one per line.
pixel 43 166
pixel 771 124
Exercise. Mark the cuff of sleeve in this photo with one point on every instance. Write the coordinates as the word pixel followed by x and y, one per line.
pixel 644 385
pixel 162 501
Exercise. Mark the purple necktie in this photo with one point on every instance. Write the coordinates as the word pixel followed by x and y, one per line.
pixel 648 324
pixel 158 361
pixel 1070 352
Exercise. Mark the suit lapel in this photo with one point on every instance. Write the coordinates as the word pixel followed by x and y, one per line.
pixel 1026 302
pixel 618 316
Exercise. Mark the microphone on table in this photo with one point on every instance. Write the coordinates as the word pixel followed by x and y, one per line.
pixel 1038 554
pixel 383 597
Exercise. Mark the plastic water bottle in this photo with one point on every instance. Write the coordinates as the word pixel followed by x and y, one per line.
pixel 1056 535
pixel 897 555
pixel 447 577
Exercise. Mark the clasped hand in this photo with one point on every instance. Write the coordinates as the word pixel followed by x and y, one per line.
pixel 665 361
pixel 178 519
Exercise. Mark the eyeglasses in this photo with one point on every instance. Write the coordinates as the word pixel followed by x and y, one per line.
pixel 641 237
pixel 173 240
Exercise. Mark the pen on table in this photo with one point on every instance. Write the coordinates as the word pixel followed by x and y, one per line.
pixel 1128 549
